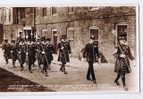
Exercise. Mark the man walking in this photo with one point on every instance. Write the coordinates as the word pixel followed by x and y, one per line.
pixel 122 65
pixel 64 51
pixel 91 54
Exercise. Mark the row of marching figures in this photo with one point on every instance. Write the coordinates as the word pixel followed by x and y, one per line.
pixel 41 50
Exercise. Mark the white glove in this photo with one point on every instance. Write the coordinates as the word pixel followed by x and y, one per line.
pixel 134 63
pixel 70 55
pixel 122 55
pixel 43 52
pixel 62 48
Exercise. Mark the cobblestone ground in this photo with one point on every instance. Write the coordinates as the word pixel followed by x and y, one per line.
pixel 75 79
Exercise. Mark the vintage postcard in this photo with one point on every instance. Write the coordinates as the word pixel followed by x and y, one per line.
pixel 69 49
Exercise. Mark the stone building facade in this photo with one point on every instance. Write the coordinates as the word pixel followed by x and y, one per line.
pixel 75 23
pixel 79 23
pixel 15 20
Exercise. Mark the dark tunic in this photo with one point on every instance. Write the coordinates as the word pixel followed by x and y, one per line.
pixel 49 51
pixel 6 48
pixel 64 51
pixel 21 54
pixel 43 56
pixel 31 54
pixel 39 53
pixel 91 52
pixel 13 52
pixel 123 64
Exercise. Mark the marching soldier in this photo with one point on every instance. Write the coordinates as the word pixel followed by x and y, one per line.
pixel 49 52
pixel 13 52
pixel 64 51
pixel 6 48
pixel 44 57
pixel 91 54
pixel 122 65
pixel 38 53
pixel 31 55
pixel 21 54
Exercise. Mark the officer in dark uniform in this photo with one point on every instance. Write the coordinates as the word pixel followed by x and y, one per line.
pixel 31 55
pixel 64 51
pixel 13 52
pixel 21 54
pixel 91 53
pixel 44 57
pixel 49 52
pixel 38 53
pixel 122 65
pixel 6 48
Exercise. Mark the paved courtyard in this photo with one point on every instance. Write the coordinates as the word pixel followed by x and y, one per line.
pixel 75 80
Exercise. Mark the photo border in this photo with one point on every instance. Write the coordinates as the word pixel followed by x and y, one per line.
pixel 139 23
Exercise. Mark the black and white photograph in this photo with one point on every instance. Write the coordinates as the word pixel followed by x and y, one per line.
pixel 69 49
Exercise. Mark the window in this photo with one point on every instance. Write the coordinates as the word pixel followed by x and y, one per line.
pixel 94 31
pixel 122 30
pixel 70 35
pixel 9 15
pixel 53 10
pixel 44 12
pixel 15 14
pixel 55 39
pixel 22 12
pixel 70 10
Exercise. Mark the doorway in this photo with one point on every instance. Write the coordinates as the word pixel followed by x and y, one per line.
pixel 122 30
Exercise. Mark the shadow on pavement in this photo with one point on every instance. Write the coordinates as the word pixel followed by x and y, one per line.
pixel 9 82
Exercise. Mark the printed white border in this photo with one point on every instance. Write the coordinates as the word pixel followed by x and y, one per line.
pixel 47 3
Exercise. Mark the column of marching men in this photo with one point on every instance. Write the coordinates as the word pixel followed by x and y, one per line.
pixel 28 51
pixel 40 50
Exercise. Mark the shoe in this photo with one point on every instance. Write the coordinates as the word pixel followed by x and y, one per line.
pixel 49 68
pixel 125 88
pixel 65 72
pixel 46 75
pixel 117 83
pixel 61 70
pixel 88 78
pixel 94 81
pixel 21 69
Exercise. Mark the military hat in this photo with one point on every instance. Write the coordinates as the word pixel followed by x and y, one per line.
pixel 63 37
pixel 48 39
pixel 43 39
pixel 12 41
pixel 122 36
pixel 6 40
